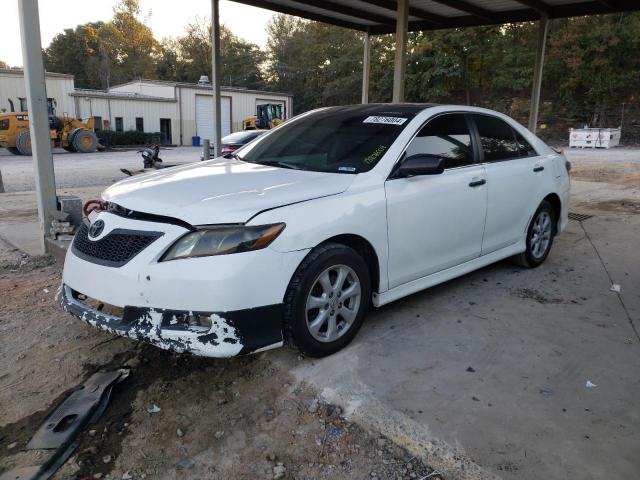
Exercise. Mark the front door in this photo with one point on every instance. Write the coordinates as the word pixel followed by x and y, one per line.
pixel 436 221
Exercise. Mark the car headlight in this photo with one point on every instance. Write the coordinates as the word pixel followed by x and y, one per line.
pixel 223 240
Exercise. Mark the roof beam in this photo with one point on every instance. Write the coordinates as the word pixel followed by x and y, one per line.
pixel 468 8
pixel 607 3
pixel 537 5
pixel 413 11
pixel 346 10
pixel 276 7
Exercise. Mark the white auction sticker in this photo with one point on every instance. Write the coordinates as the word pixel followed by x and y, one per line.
pixel 385 120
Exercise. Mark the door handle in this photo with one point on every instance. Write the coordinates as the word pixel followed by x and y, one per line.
pixel 477 183
pixel 538 168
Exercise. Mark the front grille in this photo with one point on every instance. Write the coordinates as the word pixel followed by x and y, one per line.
pixel 114 249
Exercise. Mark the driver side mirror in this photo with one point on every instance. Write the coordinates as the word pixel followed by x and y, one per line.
pixel 420 164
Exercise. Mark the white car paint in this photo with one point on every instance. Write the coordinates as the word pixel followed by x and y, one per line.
pixel 423 230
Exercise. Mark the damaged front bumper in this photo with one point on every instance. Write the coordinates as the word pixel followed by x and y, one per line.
pixel 231 333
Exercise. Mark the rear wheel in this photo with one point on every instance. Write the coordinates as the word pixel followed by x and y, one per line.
pixel 540 235
pixel 14 150
pixel 327 299
pixel 23 143
pixel 85 141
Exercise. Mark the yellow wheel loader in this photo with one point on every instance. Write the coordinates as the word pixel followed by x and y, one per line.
pixel 267 116
pixel 66 132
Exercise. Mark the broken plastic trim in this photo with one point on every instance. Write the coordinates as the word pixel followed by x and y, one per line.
pixel 237 332
pixel 84 405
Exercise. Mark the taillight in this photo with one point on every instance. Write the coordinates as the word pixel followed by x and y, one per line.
pixel 94 206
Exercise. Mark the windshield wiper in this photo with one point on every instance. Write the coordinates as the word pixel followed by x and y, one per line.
pixel 277 163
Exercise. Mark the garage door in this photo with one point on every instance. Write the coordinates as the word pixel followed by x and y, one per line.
pixel 204 116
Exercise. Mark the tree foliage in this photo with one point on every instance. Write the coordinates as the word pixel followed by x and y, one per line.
pixel 591 65
pixel 3 64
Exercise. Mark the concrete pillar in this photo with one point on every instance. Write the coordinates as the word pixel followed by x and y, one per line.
pixel 399 67
pixel 215 76
pixel 38 115
pixel 543 29
pixel 366 68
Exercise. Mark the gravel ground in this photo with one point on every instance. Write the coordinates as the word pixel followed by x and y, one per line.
pixel 73 170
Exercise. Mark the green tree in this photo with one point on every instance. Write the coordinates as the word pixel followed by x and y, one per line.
pixel 84 52
pixel 593 65
pixel 3 64
pixel 189 56
pixel 319 64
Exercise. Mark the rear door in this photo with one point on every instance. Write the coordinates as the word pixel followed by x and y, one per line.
pixel 512 167
pixel 436 221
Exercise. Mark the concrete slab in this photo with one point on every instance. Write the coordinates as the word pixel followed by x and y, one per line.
pixel 24 235
pixel 488 371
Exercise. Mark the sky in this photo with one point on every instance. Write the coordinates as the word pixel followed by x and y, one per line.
pixel 167 19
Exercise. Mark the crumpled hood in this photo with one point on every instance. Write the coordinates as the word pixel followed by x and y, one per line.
pixel 222 191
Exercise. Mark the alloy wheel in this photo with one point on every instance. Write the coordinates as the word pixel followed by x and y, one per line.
pixel 540 235
pixel 333 303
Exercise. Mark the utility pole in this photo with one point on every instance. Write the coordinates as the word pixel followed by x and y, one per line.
pixel 34 77
pixel 215 77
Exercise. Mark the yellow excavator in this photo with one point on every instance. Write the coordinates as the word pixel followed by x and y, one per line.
pixel 66 132
pixel 267 116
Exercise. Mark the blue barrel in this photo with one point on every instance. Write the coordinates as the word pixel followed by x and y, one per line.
pixel 195 141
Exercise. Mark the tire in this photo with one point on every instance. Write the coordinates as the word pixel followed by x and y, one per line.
pixel 14 150
pixel 23 143
pixel 334 260
pixel 85 141
pixel 538 250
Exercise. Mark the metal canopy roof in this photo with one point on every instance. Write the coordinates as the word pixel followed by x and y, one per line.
pixel 378 16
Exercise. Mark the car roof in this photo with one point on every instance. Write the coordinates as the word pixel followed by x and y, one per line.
pixel 383 108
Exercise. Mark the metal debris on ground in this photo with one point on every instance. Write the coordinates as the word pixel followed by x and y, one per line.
pixel 616 288
pixel 154 409
pixel 589 384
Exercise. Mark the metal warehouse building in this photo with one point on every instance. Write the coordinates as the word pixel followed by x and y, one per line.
pixel 177 110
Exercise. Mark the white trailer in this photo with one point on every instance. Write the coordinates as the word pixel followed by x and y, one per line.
pixel 594 137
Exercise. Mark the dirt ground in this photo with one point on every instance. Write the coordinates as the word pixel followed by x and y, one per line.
pixel 237 418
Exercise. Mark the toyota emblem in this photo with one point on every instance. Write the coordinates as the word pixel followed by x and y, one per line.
pixel 96 228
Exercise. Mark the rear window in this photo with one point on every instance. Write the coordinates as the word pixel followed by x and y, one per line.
pixel 340 140
pixel 497 138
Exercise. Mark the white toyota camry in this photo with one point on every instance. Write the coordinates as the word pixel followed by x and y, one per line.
pixel 293 237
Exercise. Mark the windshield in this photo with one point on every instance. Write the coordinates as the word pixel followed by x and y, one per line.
pixel 340 139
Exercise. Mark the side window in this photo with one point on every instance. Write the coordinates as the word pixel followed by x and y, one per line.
pixel 447 136
pixel 497 138
pixel 526 150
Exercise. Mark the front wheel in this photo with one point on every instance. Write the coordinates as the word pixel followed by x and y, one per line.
pixel 23 143
pixel 540 233
pixel 327 299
